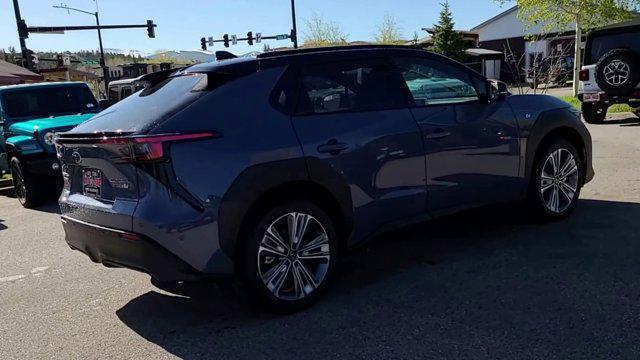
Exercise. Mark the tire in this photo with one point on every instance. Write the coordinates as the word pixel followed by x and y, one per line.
pixel 618 72
pixel 546 182
pixel 594 113
pixel 28 191
pixel 274 273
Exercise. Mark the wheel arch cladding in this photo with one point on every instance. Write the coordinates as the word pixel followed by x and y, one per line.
pixel 553 125
pixel 248 197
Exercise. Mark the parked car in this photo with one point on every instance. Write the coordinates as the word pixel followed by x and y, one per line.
pixel 121 89
pixel 550 70
pixel 272 167
pixel 31 115
pixel 611 74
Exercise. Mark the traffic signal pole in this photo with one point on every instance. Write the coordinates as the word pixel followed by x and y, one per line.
pixel 26 59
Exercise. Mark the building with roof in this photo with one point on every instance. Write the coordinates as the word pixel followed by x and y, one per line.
pixel 13 74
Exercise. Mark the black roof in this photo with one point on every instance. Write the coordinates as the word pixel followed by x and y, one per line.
pixel 632 25
pixel 335 49
pixel 277 58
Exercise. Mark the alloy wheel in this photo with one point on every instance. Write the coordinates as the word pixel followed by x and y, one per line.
pixel 616 72
pixel 294 256
pixel 559 180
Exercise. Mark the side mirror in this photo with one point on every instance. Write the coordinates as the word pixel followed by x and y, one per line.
pixel 499 90
pixel 104 103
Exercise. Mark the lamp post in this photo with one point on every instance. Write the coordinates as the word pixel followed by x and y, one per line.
pixel 295 29
pixel 103 64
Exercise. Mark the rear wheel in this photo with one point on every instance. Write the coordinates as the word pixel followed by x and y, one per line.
pixel 290 256
pixel 594 113
pixel 28 191
pixel 557 180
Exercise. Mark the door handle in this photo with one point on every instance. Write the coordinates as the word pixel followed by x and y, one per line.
pixel 438 134
pixel 333 147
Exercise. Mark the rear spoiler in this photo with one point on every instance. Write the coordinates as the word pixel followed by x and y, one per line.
pixel 224 55
pixel 150 80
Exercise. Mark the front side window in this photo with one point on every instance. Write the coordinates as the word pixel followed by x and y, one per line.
pixel 432 82
pixel 365 86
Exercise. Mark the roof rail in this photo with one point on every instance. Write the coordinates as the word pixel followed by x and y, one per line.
pixel 335 48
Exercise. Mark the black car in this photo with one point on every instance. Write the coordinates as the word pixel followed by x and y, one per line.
pixel 270 168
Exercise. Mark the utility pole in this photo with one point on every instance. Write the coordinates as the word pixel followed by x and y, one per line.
pixel 294 31
pixel 103 64
pixel 26 59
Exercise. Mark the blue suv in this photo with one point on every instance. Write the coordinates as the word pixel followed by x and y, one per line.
pixel 270 168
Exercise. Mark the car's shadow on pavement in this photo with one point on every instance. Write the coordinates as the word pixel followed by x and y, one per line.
pixel 49 206
pixel 489 283
pixel 631 120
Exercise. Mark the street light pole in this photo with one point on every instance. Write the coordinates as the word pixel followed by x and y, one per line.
pixel 295 29
pixel 103 64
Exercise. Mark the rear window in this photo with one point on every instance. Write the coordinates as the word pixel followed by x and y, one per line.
pixel 47 101
pixel 149 106
pixel 602 44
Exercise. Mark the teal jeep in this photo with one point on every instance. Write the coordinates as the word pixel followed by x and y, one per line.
pixel 30 115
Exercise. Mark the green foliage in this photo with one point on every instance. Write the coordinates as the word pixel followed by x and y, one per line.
pixel 388 32
pixel 320 32
pixel 557 15
pixel 613 109
pixel 446 40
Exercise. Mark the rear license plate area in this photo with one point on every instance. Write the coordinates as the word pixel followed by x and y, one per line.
pixel 591 97
pixel 92 183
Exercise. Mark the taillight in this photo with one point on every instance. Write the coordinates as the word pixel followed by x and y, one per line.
pixel 584 75
pixel 147 148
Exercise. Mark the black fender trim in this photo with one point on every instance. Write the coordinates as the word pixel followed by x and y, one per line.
pixel 557 121
pixel 258 180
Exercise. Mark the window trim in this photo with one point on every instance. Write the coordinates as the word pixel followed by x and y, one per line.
pixel 466 71
pixel 381 59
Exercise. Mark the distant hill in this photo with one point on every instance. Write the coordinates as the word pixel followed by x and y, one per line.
pixel 184 56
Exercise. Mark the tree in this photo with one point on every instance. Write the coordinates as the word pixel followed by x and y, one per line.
pixel 320 32
pixel 446 40
pixel 388 32
pixel 558 15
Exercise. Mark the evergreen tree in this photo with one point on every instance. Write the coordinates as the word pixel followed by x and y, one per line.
pixel 446 40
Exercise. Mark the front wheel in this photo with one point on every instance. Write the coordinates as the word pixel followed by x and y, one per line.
pixel 594 113
pixel 557 180
pixel 28 191
pixel 290 256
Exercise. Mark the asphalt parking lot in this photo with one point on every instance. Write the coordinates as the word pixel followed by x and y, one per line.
pixel 489 283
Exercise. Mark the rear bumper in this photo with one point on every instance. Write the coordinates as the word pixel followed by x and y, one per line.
pixel 116 248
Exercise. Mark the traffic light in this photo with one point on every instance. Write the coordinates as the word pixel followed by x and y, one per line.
pixel 203 43
pixel 250 38
pixel 59 60
pixel 151 30
pixel 225 38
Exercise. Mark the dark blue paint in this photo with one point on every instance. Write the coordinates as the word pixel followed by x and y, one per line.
pixel 376 170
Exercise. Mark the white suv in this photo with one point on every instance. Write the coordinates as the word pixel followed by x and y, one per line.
pixel 611 71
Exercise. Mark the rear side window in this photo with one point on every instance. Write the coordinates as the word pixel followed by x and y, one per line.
pixel 602 44
pixel 150 106
pixel 365 86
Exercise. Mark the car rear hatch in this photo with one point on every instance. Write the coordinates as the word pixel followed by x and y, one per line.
pixel 98 178
pixel 102 158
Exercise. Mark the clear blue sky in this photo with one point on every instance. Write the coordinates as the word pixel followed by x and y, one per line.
pixel 182 23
